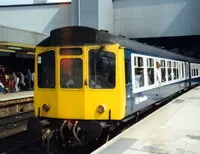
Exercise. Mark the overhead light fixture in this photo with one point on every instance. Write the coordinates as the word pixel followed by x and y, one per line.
pixel 4 50
pixel 30 53
pixel 14 48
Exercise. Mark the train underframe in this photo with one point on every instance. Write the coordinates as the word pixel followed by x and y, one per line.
pixel 71 133
pixel 74 133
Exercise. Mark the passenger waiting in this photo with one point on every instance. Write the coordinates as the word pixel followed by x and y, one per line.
pixel 6 82
pixel 2 89
pixel 28 79
pixel 13 80
pixel 21 81
pixel 17 84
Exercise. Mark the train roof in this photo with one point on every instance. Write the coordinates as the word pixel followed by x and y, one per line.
pixel 193 60
pixel 79 35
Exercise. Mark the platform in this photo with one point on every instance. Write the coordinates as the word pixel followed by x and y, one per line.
pixel 173 129
pixel 16 95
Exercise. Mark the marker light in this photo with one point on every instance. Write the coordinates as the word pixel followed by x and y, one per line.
pixel 100 109
pixel 45 107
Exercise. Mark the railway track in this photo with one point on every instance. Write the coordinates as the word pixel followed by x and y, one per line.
pixel 14 113
pixel 15 118
pixel 12 124
pixel 24 139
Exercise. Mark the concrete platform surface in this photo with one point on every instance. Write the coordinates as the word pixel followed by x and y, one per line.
pixel 173 129
pixel 16 95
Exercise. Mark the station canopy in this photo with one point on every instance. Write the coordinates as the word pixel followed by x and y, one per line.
pixel 18 41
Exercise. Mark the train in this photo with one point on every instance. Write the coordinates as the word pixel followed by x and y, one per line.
pixel 88 81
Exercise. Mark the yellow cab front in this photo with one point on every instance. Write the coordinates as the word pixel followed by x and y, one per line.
pixel 80 82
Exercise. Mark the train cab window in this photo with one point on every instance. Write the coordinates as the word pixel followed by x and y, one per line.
pixel 46 69
pixel 169 70
pixel 101 69
pixel 163 71
pixel 150 71
pixel 71 51
pixel 71 73
pixel 139 72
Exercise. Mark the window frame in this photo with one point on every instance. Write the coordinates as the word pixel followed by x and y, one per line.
pixel 146 66
pixel 53 64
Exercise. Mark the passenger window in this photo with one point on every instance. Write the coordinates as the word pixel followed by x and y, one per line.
pixel 46 69
pixel 150 71
pixel 169 70
pixel 102 69
pixel 193 72
pixel 175 71
pixel 183 72
pixel 71 73
pixel 163 71
pixel 187 70
pixel 179 70
pixel 139 72
pixel 158 72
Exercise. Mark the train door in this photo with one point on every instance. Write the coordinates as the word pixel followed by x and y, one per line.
pixel 128 85
pixel 71 73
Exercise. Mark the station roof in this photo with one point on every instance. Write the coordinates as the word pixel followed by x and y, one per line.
pixel 15 40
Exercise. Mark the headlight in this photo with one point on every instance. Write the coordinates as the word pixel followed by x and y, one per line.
pixel 100 109
pixel 45 107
